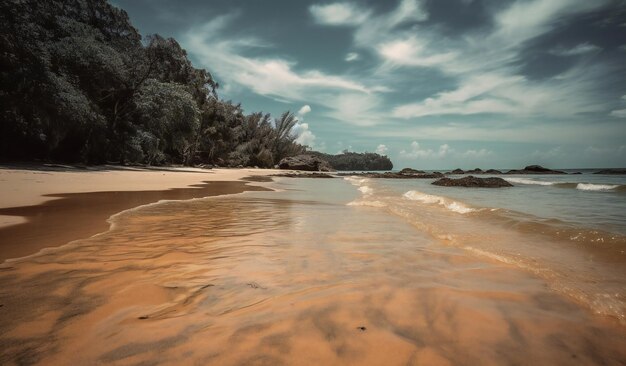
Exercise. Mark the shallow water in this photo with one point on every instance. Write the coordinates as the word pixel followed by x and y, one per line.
pixel 300 276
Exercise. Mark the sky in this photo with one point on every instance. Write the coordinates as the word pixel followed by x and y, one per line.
pixel 433 84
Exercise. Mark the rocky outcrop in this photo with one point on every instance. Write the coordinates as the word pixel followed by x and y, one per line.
pixel 473 182
pixel 535 169
pixel 305 162
pixel 411 171
pixel 303 175
pixel 398 175
pixel 475 171
pixel 612 171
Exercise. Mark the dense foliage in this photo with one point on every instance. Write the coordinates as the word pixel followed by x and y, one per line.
pixel 356 161
pixel 78 84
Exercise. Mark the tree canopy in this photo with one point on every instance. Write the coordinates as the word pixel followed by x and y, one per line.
pixel 356 161
pixel 77 84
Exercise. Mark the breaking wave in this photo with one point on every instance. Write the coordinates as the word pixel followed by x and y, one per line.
pixel 432 199
pixel 580 186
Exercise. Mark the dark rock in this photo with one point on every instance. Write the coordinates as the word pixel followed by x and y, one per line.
pixel 411 171
pixel 471 181
pixel 392 175
pixel 303 175
pixel 493 171
pixel 535 169
pixel 576 173
pixel 475 171
pixel 612 171
pixel 362 328
pixel 305 162
pixel 457 171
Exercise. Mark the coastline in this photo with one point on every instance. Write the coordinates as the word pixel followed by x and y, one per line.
pixel 296 276
pixel 43 207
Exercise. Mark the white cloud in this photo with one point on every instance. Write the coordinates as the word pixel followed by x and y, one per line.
pixel 524 20
pixel 619 113
pixel 305 136
pixel 382 149
pixel 412 52
pixel 356 109
pixel 417 152
pixel 482 153
pixel 338 14
pixel 352 56
pixel 576 50
pixel 488 80
pixel 303 111
pixel 272 77
pixel 478 94
pixel 380 28
pixel 502 93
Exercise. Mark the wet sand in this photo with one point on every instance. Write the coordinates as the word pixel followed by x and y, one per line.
pixel 37 213
pixel 294 277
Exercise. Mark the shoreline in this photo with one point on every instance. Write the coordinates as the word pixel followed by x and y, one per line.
pixel 42 208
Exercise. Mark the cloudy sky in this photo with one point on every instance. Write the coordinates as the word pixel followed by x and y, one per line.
pixel 433 84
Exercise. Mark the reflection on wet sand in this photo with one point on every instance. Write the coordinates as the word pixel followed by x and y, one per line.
pixel 281 279
pixel 80 215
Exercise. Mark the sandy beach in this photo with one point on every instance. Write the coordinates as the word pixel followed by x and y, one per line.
pixel 47 206
pixel 295 276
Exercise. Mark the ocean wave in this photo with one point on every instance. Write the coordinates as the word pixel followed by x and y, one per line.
pixel 366 190
pixel 596 187
pixel 432 199
pixel 570 185
pixel 356 181
pixel 529 181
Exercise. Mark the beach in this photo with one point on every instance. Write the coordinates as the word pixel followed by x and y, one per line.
pixel 50 206
pixel 294 271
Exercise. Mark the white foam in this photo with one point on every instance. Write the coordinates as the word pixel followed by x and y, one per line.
pixel 357 181
pixel 367 203
pixel 529 181
pixel 595 187
pixel 432 199
pixel 366 190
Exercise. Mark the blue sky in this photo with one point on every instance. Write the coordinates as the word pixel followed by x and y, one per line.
pixel 433 84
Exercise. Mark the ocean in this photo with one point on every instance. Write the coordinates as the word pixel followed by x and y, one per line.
pixel 335 271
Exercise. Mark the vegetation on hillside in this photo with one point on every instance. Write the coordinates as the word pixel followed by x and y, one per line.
pixel 356 161
pixel 77 84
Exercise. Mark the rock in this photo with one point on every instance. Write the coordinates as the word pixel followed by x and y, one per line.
pixel 411 171
pixel 577 173
pixel 305 162
pixel 303 175
pixel 493 171
pixel 612 171
pixel 471 181
pixel 391 175
pixel 535 169
pixel 475 171
pixel 457 171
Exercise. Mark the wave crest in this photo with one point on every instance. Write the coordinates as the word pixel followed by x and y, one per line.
pixel 442 201
pixel 529 181
pixel 596 187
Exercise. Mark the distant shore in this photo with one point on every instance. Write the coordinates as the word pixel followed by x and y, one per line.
pixel 49 205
